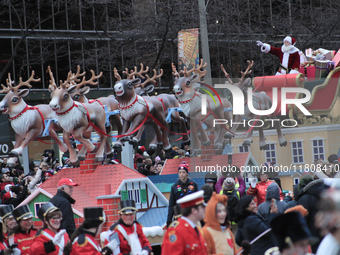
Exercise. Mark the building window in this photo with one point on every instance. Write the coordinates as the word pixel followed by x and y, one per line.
pixel 297 152
pixel 270 153
pixel 133 194
pixel 243 148
pixel 318 146
pixel 296 181
pixel 37 206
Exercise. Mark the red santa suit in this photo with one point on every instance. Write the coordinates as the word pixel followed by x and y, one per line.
pixel 260 191
pixel 181 238
pixel 133 234
pixel 288 60
pixel 42 243
pixel 24 240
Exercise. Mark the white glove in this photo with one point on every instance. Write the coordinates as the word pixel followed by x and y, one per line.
pixel 113 245
pixel 144 252
pixel 16 251
pixel 259 43
pixel 253 182
pixel 57 238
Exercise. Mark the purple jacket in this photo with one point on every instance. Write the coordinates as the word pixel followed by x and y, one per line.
pixel 241 188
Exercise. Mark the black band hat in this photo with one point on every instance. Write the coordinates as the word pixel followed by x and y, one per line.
pixel 127 206
pixel 22 213
pixel 46 209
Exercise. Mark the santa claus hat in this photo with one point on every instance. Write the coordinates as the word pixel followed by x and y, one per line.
pixel 290 39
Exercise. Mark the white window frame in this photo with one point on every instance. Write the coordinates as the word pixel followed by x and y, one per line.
pixel 295 181
pixel 323 146
pixel 292 154
pixel 265 153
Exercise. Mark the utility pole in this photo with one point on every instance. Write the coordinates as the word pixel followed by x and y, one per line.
pixel 204 39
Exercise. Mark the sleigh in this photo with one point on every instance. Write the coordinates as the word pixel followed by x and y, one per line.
pixel 324 94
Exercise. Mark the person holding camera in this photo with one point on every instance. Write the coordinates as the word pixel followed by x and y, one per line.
pixel 63 200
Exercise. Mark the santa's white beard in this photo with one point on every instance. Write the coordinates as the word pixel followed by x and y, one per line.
pixel 287 48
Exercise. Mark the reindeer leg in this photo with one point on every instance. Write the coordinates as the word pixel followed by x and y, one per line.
pixel 281 138
pixel 108 149
pixel 119 143
pixel 175 117
pixel 195 141
pixel 262 140
pixel 52 130
pixel 159 115
pixel 116 122
pixel 135 140
pixel 31 134
pixel 249 138
pixel 72 151
pixel 100 152
pixel 78 135
pixel 18 142
pixel 82 151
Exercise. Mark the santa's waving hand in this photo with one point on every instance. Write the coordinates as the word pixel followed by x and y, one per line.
pixel 287 53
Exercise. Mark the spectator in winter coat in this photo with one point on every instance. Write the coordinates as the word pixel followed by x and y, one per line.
pixel 250 225
pixel 273 192
pixel 63 200
pixel 216 231
pixel 239 181
pixel 233 195
pixel 308 197
pixel 181 188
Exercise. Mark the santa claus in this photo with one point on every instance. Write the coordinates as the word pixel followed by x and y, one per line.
pixel 288 54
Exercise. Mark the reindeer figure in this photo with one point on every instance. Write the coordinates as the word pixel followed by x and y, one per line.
pixel 167 100
pixel 191 103
pixel 77 119
pixel 138 110
pixel 79 95
pixel 26 121
pixel 261 101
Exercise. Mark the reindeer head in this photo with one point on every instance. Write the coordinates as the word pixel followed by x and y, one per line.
pixel 79 93
pixel 60 96
pixel 123 86
pixel 13 99
pixel 184 84
pixel 243 84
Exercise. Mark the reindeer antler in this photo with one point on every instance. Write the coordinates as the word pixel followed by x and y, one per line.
pixel 248 71
pixel 117 76
pixel 21 83
pixel 91 80
pixel 53 85
pixel 153 79
pixel 226 74
pixel 174 71
pixel 142 71
pixel 75 77
pixel 198 70
pixel 9 85
pixel 26 83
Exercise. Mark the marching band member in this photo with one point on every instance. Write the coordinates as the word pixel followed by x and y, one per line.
pixel 24 232
pixel 183 237
pixel 128 233
pixel 50 240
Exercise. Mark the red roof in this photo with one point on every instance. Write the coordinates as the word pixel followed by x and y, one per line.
pixel 171 165
pixel 91 185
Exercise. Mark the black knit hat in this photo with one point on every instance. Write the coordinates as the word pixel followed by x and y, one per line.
pixel 22 213
pixel 46 209
pixel 289 228
pixel 93 217
pixel 333 158
pixel 210 177
pixel 127 206
pixel 6 211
